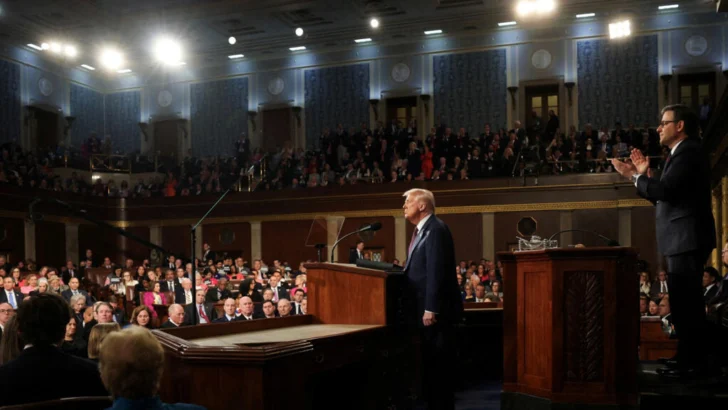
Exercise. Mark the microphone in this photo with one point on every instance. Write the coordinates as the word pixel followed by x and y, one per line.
pixel 610 242
pixel 371 227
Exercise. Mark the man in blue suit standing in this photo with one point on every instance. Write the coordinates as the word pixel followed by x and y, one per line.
pixel 432 300
pixel 685 231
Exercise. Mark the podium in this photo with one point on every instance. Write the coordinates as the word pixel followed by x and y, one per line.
pixel 571 328
pixel 346 350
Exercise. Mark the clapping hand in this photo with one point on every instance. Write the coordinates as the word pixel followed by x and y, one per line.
pixel 641 163
pixel 626 169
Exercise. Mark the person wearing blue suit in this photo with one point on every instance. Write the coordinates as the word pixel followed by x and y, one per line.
pixel 432 302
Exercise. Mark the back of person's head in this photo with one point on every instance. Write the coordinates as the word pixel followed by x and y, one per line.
pixel 11 343
pixel 97 335
pixel 42 319
pixel 131 363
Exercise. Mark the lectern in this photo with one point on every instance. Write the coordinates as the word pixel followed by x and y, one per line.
pixel 347 351
pixel 571 328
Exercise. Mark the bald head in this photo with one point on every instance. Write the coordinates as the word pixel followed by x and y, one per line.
pixel 246 306
pixel 176 313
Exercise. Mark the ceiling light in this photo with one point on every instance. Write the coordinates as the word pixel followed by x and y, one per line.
pixel 124 71
pixel 234 56
pixel 88 67
pixel 362 40
pixel 55 47
pixel 668 7
pixel 70 51
pixel 585 15
pixel 507 23
pixel 232 40
pixel 181 63
pixel 528 7
pixel 167 51
pixel 430 32
pixel 39 48
pixel 620 29
pixel 299 48
pixel 111 59
pixel 299 32
pixel 374 23
pixel 45 46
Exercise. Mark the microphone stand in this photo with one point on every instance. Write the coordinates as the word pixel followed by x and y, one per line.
pixel 193 241
pixel 610 242
pixel 341 239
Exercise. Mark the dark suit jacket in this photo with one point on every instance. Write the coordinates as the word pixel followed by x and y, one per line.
pixel 191 309
pixel 66 276
pixel 223 319
pixel 711 293
pixel 67 294
pixel 212 295
pixel 431 282
pixel 170 325
pixel 353 256
pixel 256 315
pixel 179 295
pixel 79 377
pixel 120 317
pixel 164 286
pixel 4 297
pixel 210 256
pixel 682 197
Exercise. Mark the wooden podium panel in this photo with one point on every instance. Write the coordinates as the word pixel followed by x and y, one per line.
pixel 344 351
pixel 571 325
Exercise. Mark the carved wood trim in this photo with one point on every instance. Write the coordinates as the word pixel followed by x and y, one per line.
pixel 584 318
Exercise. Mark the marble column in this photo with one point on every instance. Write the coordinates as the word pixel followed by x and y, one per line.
pixel 625 227
pixel 256 243
pixel 333 227
pixel 488 235
pixel 72 252
pixel 30 241
pixel 400 238
pixel 198 240
pixel 715 256
pixel 566 221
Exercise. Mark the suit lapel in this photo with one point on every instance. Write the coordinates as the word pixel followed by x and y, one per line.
pixel 420 237
pixel 672 157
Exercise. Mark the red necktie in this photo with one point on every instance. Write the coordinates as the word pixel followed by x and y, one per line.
pixel 412 242
pixel 203 315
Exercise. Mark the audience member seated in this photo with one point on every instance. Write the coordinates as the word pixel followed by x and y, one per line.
pixel 98 333
pixel 155 297
pixel 10 341
pixel 142 316
pixel 304 306
pixel 102 313
pixel 248 288
pixel 42 322
pixel 74 290
pixel 247 309
pixel 711 282
pixel 201 312
pixel 176 317
pixel 297 300
pixel 9 294
pixel 6 312
pixel 183 295
pixel 269 310
pixel 131 363
pixel 72 344
pixel 229 309
pixel 219 292
pixel 284 308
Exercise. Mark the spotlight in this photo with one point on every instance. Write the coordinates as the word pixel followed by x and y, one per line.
pixel 299 32
pixel 528 7
pixel 235 56
pixel 620 29
pixel 374 23
pixel 168 51
pixel 55 47
pixel 507 23
pixel 35 47
pixel 70 51
pixel 299 48
pixel 668 7
pixel 232 40
pixel 585 15
pixel 363 40
pixel 431 32
pixel 111 59
pixel 45 46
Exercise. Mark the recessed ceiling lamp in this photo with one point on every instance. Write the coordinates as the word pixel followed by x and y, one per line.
pixel 232 40
pixel 585 15
pixel 431 32
pixel 235 56
pixel 299 48
pixel 507 23
pixel 299 32
pixel 168 51
pixel 374 23
pixel 362 40
pixel 620 29
pixel 111 59
pixel 668 7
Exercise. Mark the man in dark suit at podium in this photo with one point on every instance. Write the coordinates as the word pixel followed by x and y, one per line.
pixel 432 299
pixel 357 253
pixel 685 230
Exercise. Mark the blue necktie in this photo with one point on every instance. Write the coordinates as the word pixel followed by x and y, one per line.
pixel 11 299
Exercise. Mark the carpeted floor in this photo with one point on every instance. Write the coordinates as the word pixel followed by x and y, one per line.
pixel 483 395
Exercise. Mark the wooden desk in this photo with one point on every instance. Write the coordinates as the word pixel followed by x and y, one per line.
pixel 347 352
pixel 654 342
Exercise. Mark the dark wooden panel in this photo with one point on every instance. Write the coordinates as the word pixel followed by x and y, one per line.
pixel 101 241
pixel 602 221
pixel 176 239
pixel 643 237
pixel 50 239
pixel 467 232
pixel 384 238
pixel 12 239
pixel 505 225
pixel 231 238
pixel 286 241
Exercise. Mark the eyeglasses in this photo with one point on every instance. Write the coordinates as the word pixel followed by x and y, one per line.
pixel 6 310
pixel 663 123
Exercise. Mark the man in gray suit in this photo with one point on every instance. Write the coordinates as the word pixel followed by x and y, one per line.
pixel 685 230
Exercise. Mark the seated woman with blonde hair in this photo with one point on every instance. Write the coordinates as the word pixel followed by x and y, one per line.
pixel 98 334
